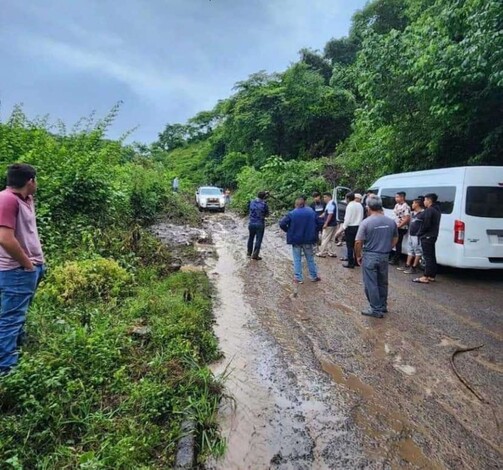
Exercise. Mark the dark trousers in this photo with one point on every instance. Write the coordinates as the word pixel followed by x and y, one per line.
pixel 256 234
pixel 430 257
pixel 350 243
pixel 395 255
pixel 375 280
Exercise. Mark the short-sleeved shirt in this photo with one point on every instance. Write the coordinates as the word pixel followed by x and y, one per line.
pixel 331 208
pixel 415 223
pixel 19 214
pixel 377 233
pixel 318 207
pixel 401 211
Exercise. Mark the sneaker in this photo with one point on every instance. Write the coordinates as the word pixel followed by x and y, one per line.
pixel 257 258
pixel 347 265
pixel 316 279
pixel 296 281
pixel 343 259
pixel 321 255
pixel 402 268
pixel 370 313
pixel 332 255
pixel 410 270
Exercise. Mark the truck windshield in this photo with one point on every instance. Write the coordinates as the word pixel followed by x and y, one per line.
pixel 484 201
pixel 210 192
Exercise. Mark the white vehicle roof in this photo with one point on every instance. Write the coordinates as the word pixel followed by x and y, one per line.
pixel 442 176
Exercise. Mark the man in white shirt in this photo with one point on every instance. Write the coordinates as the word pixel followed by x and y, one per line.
pixel 352 220
pixel 327 246
pixel 402 214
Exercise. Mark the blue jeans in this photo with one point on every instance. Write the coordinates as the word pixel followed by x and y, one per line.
pixel 375 280
pixel 256 233
pixel 308 251
pixel 17 288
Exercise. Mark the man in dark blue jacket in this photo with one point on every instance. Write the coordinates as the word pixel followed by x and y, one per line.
pixel 301 232
pixel 258 211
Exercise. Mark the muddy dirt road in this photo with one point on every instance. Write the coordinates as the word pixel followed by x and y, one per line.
pixel 318 386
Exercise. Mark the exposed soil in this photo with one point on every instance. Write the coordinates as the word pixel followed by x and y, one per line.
pixel 318 386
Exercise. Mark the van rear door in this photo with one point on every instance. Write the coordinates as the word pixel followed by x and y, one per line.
pixel 483 222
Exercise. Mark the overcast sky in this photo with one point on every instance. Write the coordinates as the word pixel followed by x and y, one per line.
pixel 165 59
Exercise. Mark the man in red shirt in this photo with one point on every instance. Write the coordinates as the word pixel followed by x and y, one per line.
pixel 21 259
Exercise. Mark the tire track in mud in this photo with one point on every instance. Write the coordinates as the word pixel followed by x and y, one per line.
pixel 386 383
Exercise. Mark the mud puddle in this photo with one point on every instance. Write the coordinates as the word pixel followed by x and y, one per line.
pixel 278 415
pixel 317 386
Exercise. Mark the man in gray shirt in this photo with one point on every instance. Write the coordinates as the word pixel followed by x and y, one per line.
pixel 376 237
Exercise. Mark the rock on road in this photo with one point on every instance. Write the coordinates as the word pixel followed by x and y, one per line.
pixel 316 385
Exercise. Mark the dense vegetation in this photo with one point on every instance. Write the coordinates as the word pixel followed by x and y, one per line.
pixel 116 358
pixel 416 84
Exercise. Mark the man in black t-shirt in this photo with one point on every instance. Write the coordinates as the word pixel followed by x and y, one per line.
pixel 414 251
pixel 318 206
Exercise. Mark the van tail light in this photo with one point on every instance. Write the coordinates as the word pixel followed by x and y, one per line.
pixel 459 232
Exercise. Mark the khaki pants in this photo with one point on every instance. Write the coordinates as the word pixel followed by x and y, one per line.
pixel 327 246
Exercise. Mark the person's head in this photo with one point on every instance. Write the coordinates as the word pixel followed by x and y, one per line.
pixel 327 196
pixel 22 176
pixel 430 199
pixel 350 197
pixel 316 196
pixel 374 204
pixel 417 204
pixel 358 197
pixel 300 202
pixel 262 194
pixel 400 197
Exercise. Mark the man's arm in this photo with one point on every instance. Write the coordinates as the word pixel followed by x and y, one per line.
pixel 347 216
pixel 358 251
pixel 10 244
pixel 426 225
pixel 405 220
pixel 361 235
pixel 394 242
pixel 284 223
pixel 327 220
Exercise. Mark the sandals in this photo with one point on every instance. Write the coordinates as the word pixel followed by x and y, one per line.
pixel 421 280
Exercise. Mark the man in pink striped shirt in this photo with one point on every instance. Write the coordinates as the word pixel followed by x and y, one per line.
pixel 21 259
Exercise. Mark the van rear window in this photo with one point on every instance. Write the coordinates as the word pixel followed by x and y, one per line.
pixel 446 196
pixel 484 201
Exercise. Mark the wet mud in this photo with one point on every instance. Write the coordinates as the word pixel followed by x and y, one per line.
pixel 315 385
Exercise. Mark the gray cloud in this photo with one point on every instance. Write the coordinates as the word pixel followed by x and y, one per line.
pixel 166 59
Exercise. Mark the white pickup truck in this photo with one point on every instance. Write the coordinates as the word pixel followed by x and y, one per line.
pixel 210 197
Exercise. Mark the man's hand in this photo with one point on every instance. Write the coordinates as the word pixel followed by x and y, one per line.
pixel 359 260
pixel 10 244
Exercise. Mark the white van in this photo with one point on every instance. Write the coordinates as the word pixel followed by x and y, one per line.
pixel 471 201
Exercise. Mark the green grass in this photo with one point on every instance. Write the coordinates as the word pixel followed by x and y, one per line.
pixel 90 393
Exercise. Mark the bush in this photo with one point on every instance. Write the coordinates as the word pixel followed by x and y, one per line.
pixel 284 179
pixel 88 280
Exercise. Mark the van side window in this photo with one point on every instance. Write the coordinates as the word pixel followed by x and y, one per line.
pixel 446 196
pixel 484 201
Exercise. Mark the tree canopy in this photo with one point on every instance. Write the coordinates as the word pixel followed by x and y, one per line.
pixel 416 84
